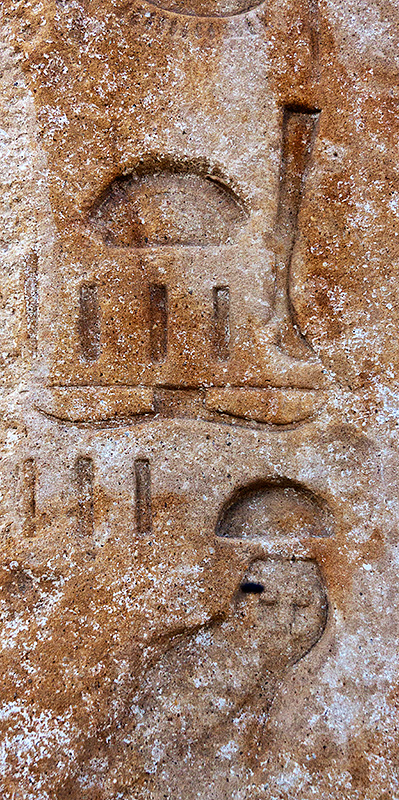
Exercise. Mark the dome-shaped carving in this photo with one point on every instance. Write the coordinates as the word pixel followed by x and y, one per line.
pixel 168 208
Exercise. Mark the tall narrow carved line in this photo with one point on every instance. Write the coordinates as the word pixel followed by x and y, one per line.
pixel 298 137
pixel 31 297
pixel 158 321
pixel 221 320
pixel 85 479
pixel 314 27
pixel 143 496
pixel 29 496
pixel 89 322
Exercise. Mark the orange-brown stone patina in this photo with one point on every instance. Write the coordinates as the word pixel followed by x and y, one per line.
pixel 199 371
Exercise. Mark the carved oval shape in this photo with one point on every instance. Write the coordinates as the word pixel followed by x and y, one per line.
pixel 291 610
pixel 209 8
pixel 168 208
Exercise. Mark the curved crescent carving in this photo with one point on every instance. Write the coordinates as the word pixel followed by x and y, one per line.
pixel 167 208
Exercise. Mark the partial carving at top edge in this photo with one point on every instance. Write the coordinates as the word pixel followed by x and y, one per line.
pixel 167 203
pixel 208 8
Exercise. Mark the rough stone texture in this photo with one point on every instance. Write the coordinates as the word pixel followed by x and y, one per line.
pixel 199 402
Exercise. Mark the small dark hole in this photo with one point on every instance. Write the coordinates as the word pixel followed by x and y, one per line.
pixel 252 588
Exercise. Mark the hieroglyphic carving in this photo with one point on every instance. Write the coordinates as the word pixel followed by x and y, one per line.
pixel 209 8
pixel 143 496
pixel 94 405
pixel 229 672
pixel 158 321
pixel 84 479
pixel 221 307
pixel 28 496
pixel 175 207
pixel 271 510
pixel 31 297
pixel 167 207
pixel 225 675
pixel 298 135
pixel 273 406
pixel 165 269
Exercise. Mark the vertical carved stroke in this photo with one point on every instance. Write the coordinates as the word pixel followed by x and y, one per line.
pixel 89 322
pixel 31 297
pixel 314 27
pixel 299 133
pixel 158 321
pixel 143 496
pixel 221 312
pixel 29 496
pixel 84 478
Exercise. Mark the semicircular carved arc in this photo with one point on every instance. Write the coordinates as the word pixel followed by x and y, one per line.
pixel 272 511
pixel 167 208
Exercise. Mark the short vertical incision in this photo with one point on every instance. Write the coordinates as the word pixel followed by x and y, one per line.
pixel 158 321
pixel 143 496
pixel 89 322
pixel 29 496
pixel 31 297
pixel 221 320
pixel 84 478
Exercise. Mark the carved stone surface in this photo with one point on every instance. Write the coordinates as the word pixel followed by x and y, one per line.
pixel 199 400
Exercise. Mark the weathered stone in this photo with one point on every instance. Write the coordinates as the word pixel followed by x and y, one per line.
pixel 199 402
